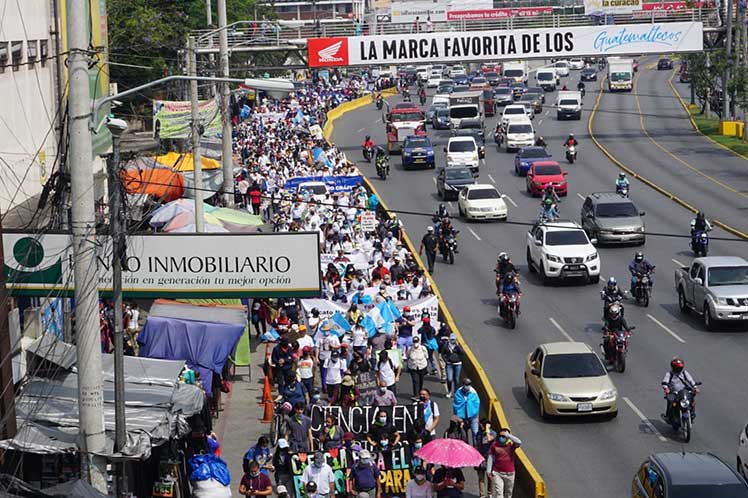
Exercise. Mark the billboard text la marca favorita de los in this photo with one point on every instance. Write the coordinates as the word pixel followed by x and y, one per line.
pixel 172 265
pixel 604 40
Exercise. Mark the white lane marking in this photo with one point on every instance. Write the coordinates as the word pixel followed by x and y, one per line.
pixel 360 130
pixel 491 178
pixel 474 234
pixel 580 196
pixel 644 419
pixel 547 112
pixel 561 329
pixel 540 122
pixel 434 178
pixel 452 206
pixel 677 262
pixel 510 200
pixel 666 329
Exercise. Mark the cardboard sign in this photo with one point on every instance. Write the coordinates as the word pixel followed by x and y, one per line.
pixel 359 419
pixel 368 221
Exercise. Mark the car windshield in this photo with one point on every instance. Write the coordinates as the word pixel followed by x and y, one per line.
pixel 565 238
pixel 406 116
pixel 532 153
pixel 514 110
pixel 588 70
pixel 459 174
pixel 572 365
pixel 418 142
pixel 528 97
pixel 483 193
pixel 491 74
pixel 314 189
pixel 460 88
pixel 471 124
pixel 444 88
pixel 463 112
pixel 562 64
pixel 728 275
pixel 514 73
pixel 461 146
pixel 503 91
pixel 546 76
pixel 520 128
pixel 710 491
pixel 547 170
pixel 442 112
pixel 616 210
pixel 567 102
pixel 620 76
pixel 434 107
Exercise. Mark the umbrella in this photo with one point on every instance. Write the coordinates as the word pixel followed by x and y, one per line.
pixel 454 453
pixel 166 213
pixel 188 218
pixel 192 228
pixel 237 217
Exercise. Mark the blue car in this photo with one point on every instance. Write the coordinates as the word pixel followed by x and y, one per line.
pixel 526 156
pixel 461 79
pixel 418 152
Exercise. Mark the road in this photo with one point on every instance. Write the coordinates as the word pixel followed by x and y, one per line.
pixel 586 457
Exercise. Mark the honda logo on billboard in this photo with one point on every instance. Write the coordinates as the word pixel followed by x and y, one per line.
pixel 328 52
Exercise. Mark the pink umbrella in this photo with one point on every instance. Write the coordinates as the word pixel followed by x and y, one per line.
pixel 454 453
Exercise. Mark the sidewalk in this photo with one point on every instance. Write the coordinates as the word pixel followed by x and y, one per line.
pixel 239 426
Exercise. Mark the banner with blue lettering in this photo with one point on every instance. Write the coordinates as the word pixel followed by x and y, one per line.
pixel 335 183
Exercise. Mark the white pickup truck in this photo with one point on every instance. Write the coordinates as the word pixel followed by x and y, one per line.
pixel 716 287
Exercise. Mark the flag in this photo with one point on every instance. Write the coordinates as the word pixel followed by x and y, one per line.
pixel 394 310
pixel 368 324
pixel 271 335
pixel 339 320
pixel 385 312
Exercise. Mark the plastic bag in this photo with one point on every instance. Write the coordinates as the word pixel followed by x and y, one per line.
pixel 220 471
pixel 208 466
pixel 199 468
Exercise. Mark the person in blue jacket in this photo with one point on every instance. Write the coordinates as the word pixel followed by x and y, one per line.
pixel 466 405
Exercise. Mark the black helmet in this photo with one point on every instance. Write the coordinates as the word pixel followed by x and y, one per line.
pixel 441 207
pixel 700 215
pixel 639 257
pixel 612 283
pixel 503 256
pixel 368 137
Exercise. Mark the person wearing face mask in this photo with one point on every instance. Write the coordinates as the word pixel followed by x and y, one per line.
pixel 259 453
pixel 430 413
pixel 364 477
pixel 448 482
pixel 452 353
pixel 326 343
pixel 502 452
pixel 282 464
pixel 305 369
pixel 486 437
pixel 315 399
pixel 321 474
pixel 382 433
pixel 294 391
pixel 283 362
pixel 466 405
pixel 330 435
pixel 418 361
pixel 388 372
pixel 383 396
pixel 419 487
pixel 380 271
pixel 335 366
pixel 299 430
pixel 349 393
pixel 255 483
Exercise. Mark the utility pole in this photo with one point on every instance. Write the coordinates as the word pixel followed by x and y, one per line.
pixel 8 396
pixel 726 114
pixel 117 127
pixel 707 104
pixel 227 161
pixel 196 134
pixel 85 267
pixel 209 13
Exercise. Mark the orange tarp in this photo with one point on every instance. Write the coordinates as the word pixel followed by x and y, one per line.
pixel 162 183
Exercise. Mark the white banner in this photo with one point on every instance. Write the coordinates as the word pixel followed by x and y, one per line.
pixel 604 40
pixel 174 265
pixel 328 308
pixel 601 7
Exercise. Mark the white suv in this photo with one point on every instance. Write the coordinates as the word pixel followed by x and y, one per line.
pixel 561 249
pixel 463 151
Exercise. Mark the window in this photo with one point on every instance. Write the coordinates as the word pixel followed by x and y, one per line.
pixel 44 51
pixel 616 210
pixel 566 238
pixel 16 53
pixel 572 365
pixel 32 51
pixel 694 270
pixel 461 146
pixel 483 193
pixel 701 273
pixel 3 55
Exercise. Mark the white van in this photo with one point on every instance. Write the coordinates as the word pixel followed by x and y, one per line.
pixel 463 151
pixel 547 79
pixel 519 133
pixel 516 70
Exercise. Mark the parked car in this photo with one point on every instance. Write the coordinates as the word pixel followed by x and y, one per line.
pixel 450 181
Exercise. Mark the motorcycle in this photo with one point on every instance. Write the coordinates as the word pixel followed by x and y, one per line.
pixel 383 167
pixel 380 103
pixel 368 153
pixel 449 247
pixel 643 289
pixel 617 347
pixel 571 154
pixel 700 243
pixel 582 92
pixel 498 137
pixel 548 213
pixel 622 190
pixel 608 302
pixel 509 308
pixel 681 411
pixel 406 96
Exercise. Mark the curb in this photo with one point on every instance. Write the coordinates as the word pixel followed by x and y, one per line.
pixel 646 181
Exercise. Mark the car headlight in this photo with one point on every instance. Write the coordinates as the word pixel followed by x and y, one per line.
pixel 591 257
pixel 605 231
pixel 551 257
pixel 640 229
pixel 474 210
pixel 430 152
pixel 722 300
pixel 524 163
pixel 475 156
pixel 557 397
pixel 406 153
pixel 612 393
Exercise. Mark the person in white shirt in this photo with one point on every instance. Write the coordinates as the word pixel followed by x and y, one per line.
pixel 419 487
pixel 335 366
pixel 321 474
pixel 303 339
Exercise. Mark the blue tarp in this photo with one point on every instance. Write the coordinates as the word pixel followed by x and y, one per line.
pixel 334 183
pixel 205 346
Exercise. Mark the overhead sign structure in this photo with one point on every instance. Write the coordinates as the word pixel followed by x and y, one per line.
pixel 173 265
pixel 598 7
pixel 490 14
pixel 436 11
pixel 605 40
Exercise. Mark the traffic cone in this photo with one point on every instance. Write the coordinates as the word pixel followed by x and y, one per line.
pixel 268 416
pixel 266 394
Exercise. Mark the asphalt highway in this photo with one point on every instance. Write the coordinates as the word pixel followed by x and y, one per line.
pixel 583 457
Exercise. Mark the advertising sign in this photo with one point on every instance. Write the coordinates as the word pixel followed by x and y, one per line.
pixel 650 38
pixel 597 7
pixel 489 14
pixel 173 265
pixel 172 119
pixel 436 11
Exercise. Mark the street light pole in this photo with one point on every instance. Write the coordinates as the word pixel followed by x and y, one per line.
pixel 117 127
pixel 196 156
pixel 227 160
pixel 209 13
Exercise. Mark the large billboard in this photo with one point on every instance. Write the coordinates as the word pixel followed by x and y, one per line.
pixel 173 119
pixel 606 40
pixel 172 265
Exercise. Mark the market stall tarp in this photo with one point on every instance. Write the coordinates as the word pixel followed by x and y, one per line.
pixel 13 487
pixel 146 176
pixel 185 162
pixel 205 346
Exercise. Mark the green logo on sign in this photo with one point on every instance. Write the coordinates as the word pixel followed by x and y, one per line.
pixel 28 255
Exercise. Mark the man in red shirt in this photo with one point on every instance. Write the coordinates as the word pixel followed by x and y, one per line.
pixel 502 470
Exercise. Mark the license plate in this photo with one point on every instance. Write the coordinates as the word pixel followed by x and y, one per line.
pixel 584 407
pixel 573 267
pixel 421 160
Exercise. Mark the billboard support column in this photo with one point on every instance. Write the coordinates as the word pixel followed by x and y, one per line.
pixel 227 161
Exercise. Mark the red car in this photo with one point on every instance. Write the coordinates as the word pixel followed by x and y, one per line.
pixel 541 173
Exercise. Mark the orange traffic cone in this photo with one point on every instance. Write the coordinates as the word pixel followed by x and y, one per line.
pixel 268 416
pixel 266 394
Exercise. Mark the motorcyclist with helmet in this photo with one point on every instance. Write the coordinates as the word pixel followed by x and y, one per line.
pixel 381 158
pixel 570 140
pixel 504 266
pixel 540 142
pixel 611 294
pixel 615 322
pixel 368 143
pixel 581 87
pixel 509 286
pixel 444 231
pixel 549 192
pixel 421 92
pixel 640 267
pixel 700 224
pixel 548 210
pixel 441 213
pixel 621 182
pixel 675 380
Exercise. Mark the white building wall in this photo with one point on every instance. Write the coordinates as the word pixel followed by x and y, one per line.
pixel 28 104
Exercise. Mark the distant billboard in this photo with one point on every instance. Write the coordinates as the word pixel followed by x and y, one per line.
pixel 407 12
pixel 173 119
pixel 602 7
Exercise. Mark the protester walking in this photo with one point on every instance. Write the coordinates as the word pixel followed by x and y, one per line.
pixel 418 486
pixel 430 244
pixel 321 474
pixel 417 365
pixel 486 437
pixel 466 405
pixel 364 477
pixel 452 353
pixel 502 452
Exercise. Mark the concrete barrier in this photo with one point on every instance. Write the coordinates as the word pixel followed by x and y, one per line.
pixel 528 483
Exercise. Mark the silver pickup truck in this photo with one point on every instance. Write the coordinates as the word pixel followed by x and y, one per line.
pixel 716 287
